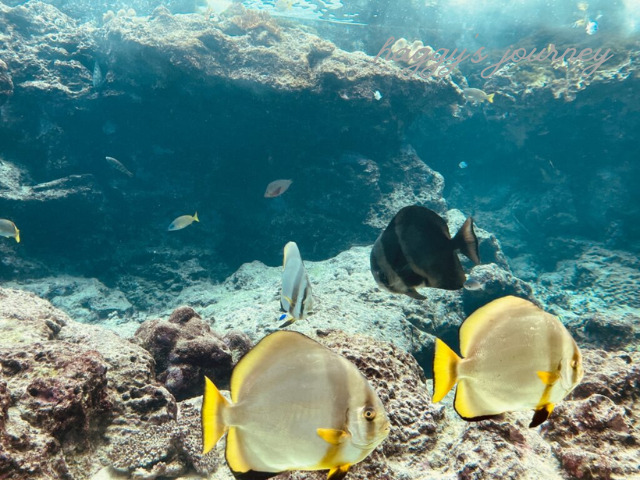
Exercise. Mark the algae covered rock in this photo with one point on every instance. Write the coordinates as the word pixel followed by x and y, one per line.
pixel 185 349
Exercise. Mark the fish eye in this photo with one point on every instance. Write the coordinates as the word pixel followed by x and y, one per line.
pixel 369 413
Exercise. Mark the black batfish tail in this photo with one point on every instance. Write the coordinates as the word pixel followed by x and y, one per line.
pixel 467 242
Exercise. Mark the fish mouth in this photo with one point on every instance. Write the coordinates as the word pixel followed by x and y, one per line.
pixel 384 433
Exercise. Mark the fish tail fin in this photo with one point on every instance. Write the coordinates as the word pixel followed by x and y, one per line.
pixel 467 242
pixel 490 97
pixel 213 424
pixel 445 370
pixel 17 235
pixel 289 319
pixel 195 217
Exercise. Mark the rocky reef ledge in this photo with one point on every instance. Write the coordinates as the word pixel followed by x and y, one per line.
pixel 79 402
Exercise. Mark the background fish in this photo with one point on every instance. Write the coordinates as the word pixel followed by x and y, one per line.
pixel 296 298
pixel 515 357
pixel 296 405
pixel 416 249
pixel 277 188
pixel 476 95
pixel 9 229
pixel 183 222
pixel 117 165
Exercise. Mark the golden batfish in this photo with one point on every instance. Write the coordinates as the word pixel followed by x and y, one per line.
pixel 183 222
pixel 296 405
pixel 515 357
pixel 9 229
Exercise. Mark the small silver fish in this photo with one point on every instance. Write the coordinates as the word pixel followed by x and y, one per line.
pixel 591 28
pixel 475 95
pixel 117 165
pixel 9 229
pixel 98 79
pixel 377 95
pixel 183 221
pixel 277 188
pixel 463 164
pixel 472 284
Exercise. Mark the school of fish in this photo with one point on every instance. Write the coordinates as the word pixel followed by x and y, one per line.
pixel 514 357
pixel 296 405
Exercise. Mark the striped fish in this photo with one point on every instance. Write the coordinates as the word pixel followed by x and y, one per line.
pixel 296 299
pixel 295 405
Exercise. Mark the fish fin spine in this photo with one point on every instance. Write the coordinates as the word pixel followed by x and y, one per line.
pixel 490 97
pixel 213 423
pixel 332 435
pixel 445 370
pixel 541 414
pixel 467 242
pixel 339 472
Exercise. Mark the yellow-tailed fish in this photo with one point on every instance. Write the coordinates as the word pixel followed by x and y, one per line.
pixel 417 250
pixel 183 222
pixel 295 405
pixel 9 229
pixel 515 357
pixel 475 95
pixel 296 299
pixel 277 188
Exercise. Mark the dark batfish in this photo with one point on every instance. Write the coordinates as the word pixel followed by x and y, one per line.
pixel 417 250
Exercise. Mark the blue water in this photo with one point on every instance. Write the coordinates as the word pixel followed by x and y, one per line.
pixel 550 164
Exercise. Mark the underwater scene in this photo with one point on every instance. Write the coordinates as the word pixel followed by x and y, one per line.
pixel 319 239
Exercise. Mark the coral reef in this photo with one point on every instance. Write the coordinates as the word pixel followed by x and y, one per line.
pixel 185 349
pixel 79 402
pixel 100 90
pixel 75 395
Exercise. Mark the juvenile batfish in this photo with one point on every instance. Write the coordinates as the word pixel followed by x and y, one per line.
pixel 296 299
pixel 277 188
pixel 476 95
pixel 183 222
pixel 117 165
pixel 417 250
pixel 9 229
pixel 295 405
pixel 515 357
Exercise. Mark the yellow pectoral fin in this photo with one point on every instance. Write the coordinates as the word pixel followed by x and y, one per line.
pixel 332 436
pixel 548 378
pixel 339 472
